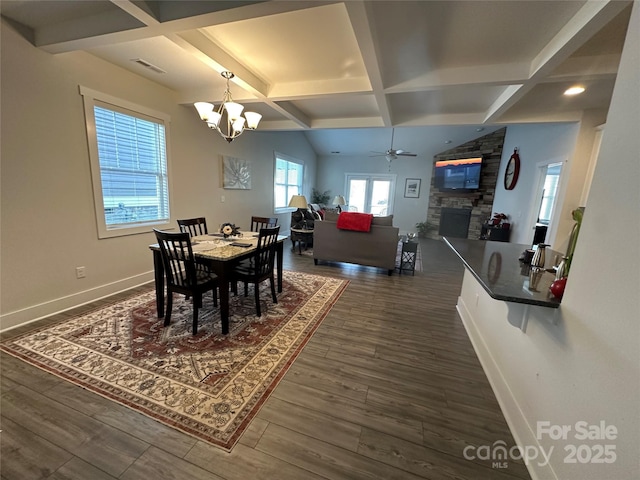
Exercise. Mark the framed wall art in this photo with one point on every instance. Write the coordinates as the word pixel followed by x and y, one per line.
pixel 236 173
pixel 412 188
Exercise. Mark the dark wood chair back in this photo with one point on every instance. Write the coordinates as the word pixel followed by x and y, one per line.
pixel 265 253
pixel 182 272
pixel 177 258
pixel 263 222
pixel 260 267
pixel 193 226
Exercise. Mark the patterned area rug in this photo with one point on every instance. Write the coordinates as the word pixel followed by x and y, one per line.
pixel 209 385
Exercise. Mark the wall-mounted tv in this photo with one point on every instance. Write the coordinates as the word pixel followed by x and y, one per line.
pixel 462 174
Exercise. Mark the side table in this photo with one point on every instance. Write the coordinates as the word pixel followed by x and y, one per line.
pixel 301 235
pixel 408 257
pixel 494 232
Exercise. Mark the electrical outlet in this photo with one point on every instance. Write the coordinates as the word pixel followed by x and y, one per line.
pixel 80 272
pixel 222 199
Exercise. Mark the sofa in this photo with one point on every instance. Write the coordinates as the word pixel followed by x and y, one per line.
pixel 376 248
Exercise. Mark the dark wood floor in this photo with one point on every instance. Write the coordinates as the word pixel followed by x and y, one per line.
pixel 389 387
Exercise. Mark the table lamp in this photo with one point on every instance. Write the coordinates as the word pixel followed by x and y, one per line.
pixel 299 202
pixel 339 200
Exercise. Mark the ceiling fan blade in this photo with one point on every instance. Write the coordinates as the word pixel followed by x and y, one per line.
pixel 405 154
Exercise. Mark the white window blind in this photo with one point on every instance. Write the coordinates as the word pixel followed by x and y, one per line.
pixel 133 168
pixel 128 147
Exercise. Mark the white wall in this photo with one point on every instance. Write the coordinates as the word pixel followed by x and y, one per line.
pixel 581 362
pixel 536 143
pixel 48 222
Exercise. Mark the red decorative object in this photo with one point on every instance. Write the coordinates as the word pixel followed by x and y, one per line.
pixel 512 171
pixel 557 288
pixel 359 222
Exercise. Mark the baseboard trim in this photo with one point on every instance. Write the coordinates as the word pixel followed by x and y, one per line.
pixel 523 434
pixel 25 316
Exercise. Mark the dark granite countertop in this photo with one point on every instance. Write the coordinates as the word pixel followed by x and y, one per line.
pixel 496 266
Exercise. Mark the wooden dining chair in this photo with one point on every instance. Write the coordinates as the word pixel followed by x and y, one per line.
pixel 184 275
pixel 193 226
pixel 263 222
pixel 260 268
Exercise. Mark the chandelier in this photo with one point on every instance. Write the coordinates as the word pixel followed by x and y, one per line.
pixel 228 119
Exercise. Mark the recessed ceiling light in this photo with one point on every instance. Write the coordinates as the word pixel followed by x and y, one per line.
pixel 447 142
pixel 574 90
pixel 479 129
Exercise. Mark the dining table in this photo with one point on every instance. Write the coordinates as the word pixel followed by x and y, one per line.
pixel 220 254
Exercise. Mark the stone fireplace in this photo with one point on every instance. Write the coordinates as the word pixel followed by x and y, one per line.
pixel 478 205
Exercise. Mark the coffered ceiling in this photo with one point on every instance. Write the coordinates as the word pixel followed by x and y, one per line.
pixel 346 72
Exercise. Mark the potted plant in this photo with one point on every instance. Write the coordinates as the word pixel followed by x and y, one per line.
pixel 321 198
pixel 422 228
pixel 500 219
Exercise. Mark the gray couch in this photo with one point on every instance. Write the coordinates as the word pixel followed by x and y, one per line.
pixel 376 248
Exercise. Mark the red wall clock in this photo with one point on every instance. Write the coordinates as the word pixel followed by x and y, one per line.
pixel 513 171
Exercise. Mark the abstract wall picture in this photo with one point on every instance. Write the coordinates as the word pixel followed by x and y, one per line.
pixel 236 173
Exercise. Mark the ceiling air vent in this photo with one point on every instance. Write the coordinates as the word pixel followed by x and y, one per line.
pixel 148 65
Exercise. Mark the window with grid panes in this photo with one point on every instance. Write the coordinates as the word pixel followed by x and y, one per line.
pixel 288 177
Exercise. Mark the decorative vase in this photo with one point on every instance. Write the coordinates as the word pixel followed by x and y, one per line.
pixel 561 270
pixel 539 256
pixel 557 287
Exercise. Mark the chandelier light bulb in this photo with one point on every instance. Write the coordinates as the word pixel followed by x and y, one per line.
pixel 234 110
pixel 204 110
pixel 253 119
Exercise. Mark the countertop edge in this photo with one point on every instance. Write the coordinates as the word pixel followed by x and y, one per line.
pixel 492 294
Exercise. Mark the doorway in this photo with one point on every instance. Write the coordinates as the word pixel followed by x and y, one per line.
pixel 546 196
pixel 370 193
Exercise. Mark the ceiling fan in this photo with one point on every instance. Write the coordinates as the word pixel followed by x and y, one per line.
pixel 392 154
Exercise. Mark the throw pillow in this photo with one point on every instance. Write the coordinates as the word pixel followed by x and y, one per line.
pixel 330 216
pixel 384 221
pixel 357 222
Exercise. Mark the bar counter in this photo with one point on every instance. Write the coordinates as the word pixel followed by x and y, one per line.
pixel 496 267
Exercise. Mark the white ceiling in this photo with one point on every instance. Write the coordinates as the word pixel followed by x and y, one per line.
pixel 346 72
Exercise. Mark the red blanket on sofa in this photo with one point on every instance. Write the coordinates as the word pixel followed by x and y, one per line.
pixel 358 222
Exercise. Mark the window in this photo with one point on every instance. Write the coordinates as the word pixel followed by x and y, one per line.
pixel 128 153
pixel 371 194
pixel 288 177
pixel 549 192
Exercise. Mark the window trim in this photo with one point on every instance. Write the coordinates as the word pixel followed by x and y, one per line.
pixel 92 98
pixel 287 158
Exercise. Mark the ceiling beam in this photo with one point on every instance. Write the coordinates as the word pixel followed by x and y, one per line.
pixel 136 21
pixel 584 24
pixel 360 15
pixel 207 51
pixel 139 10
